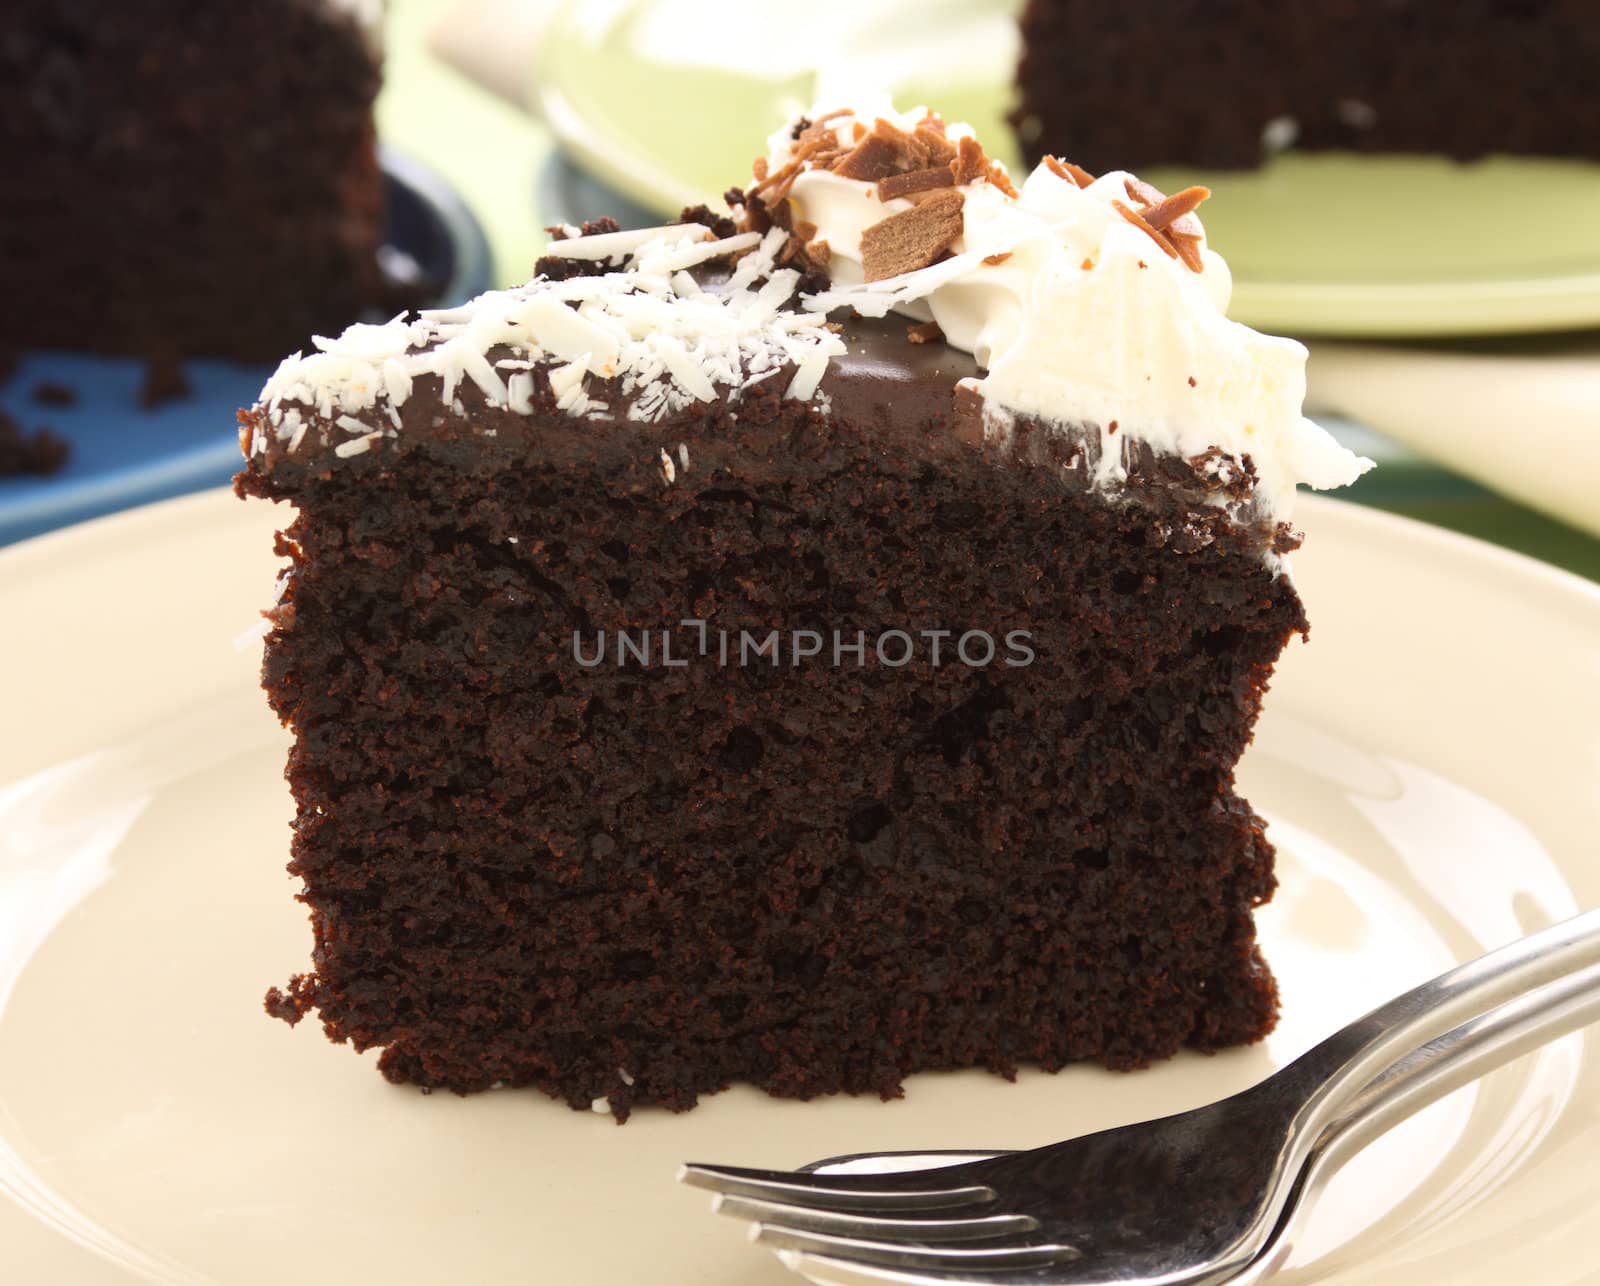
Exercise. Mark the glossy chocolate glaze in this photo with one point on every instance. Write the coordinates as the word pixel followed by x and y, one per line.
pixel 905 395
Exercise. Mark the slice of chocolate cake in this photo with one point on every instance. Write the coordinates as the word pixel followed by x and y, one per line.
pixel 187 178
pixel 804 648
pixel 1458 78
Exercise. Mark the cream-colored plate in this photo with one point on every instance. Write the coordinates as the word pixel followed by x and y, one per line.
pixel 1428 764
pixel 668 101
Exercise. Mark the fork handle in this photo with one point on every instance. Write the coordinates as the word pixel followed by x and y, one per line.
pixel 1391 1045
pixel 1459 1057
pixel 1423 1077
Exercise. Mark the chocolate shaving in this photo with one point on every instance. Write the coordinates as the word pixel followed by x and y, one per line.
pixel 774 189
pixel 883 152
pixel 998 177
pixel 1133 217
pixel 818 252
pixel 1067 170
pixel 926 333
pixel 805 231
pixel 1170 219
pixel 915 166
pixel 930 132
pixel 1000 258
pixel 938 176
pixel 1142 192
pixel 1187 244
pixel 913 238
pixel 970 162
pixel 1172 208
pixel 778 211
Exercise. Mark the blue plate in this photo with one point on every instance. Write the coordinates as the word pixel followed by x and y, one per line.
pixel 123 455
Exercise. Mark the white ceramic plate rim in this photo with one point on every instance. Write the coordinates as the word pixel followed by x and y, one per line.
pixel 1420 546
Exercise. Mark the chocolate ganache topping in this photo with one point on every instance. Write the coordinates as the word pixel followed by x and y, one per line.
pixel 878 260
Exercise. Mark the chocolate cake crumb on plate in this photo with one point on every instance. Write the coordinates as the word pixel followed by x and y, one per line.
pixel 41 452
pixel 50 393
pixel 696 678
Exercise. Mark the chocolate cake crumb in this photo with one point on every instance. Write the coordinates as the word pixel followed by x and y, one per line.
pixel 291 1006
pixel 43 452
pixel 562 268
pixel 164 380
pixel 49 393
pixel 720 224
pixel 925 333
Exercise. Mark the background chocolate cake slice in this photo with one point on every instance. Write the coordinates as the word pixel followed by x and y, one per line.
pixel 1459 78
pixel 187 178
pixel 772 649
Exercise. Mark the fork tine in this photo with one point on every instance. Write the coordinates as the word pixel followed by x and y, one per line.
pixel 834 1192
pixel 844 1223
pixel 893 1254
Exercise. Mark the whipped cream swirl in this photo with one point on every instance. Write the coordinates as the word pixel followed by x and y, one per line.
pixel 1080 318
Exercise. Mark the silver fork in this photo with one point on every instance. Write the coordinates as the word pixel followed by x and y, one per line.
pixel 1472 1049
pixel 1190 1199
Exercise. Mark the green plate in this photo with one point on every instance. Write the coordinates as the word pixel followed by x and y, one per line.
pixel 670 108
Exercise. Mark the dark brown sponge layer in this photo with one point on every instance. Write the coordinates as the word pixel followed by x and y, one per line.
pixel 1114 85
pixel 186 177
pixel 645 882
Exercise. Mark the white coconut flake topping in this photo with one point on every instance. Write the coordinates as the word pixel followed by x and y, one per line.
pixel 638 317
